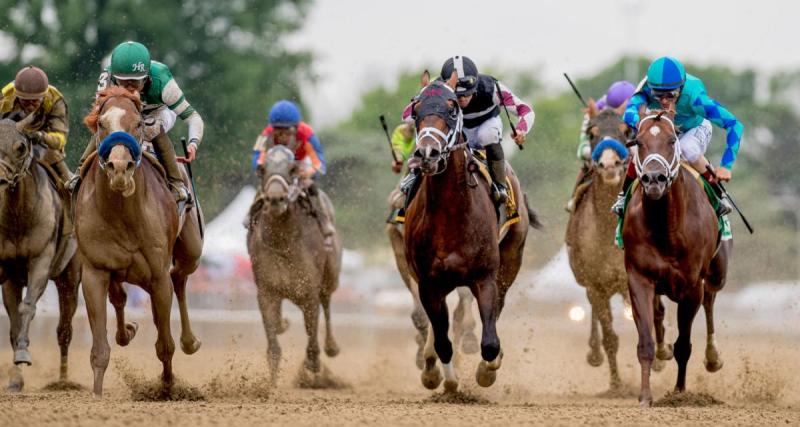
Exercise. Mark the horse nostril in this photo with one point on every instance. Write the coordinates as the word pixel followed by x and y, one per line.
pixel 110 166
pixel 645 179
pixel 662 178
pixel 434 153
pixel 130 165
pixel 617 163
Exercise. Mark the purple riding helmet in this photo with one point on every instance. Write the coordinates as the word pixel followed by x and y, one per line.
pixel 619 93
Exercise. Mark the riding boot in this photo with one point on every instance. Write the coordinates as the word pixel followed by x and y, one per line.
pixel 324 220
pixel 724 207
pixel 582 177
pixel 618 207
pixel 409 186
pixel 72 183
pixel 497 168
pixel 166 153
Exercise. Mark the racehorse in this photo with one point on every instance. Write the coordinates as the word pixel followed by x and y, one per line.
pixel 287 250
pixel 129 230
pixel 596 263
pixel 34 246
pixel 672 248
pixel 452 236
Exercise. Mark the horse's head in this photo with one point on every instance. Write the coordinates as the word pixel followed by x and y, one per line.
pixel 116 122
pixel 656 143
pixel 606 131
pixel 278 179
pixel 438 120
pixel 16 152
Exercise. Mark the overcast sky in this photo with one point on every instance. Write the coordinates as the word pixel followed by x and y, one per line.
pixel 360 44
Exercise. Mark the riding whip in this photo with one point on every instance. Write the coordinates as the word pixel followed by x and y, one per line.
pixel 194 187
pixel 575 89
pixel 388 138
pixel 725 193
pixel 508 116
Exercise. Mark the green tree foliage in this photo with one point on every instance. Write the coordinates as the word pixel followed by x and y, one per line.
pixel 227 56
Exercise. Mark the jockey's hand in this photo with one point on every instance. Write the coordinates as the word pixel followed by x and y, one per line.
pixel 191 151
pixel 306 172
pixel 723 174
pixel 519 138
pixel 397 167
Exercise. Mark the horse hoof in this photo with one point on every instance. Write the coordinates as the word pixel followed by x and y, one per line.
pixel 451 386
pixel 125 336
pixel 420 357
pixel 469 343
pixel 22 356
pixel 284 326
pixel 713 366
pixel 658 365
pixel 484 376
pixel 15 385
pixel 331 349
pixel 664 352
pixel 594 358
pixel 431 377
pixel 191 346
pixel 646 402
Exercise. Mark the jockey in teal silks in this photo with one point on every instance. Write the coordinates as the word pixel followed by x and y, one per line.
pixel 666 86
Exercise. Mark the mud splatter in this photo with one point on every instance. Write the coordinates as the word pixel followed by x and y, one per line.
pixel 759 383
pixel 144 390
pixel 681 399
pixel 458 398
pixel 64 385
pixel 325 379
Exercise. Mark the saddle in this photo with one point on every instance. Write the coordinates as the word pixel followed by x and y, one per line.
pixel 723 223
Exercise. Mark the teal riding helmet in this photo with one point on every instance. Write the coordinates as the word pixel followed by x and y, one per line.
pixel 666 73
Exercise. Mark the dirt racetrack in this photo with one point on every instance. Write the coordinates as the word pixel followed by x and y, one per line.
pixel 544 380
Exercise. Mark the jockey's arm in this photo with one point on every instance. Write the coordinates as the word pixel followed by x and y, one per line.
pixel 632 111
pixel 717 114
pixel 522 110
pixel 173 97
pixel 318 151
pixel 401 144
pixel 102 83
pixel 259 148
pixel 584 151
pixel 310 157
pixel 55 132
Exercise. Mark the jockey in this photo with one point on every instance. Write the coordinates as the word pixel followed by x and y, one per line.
pixel 617 96
pixel 162 101
pixel 403 141
pixel 31 93
pixel 287 128
pixel 667 86
pixel 480 102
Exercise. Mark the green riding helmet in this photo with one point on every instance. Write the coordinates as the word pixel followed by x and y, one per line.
pixel 130 61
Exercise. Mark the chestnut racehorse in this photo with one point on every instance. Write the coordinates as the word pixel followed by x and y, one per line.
pixel 129 230
pixel 672 248
pixel 451 236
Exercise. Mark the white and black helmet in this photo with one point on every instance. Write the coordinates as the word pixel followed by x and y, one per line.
pixel 467 73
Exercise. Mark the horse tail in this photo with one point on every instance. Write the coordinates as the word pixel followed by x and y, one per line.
pixel 533 217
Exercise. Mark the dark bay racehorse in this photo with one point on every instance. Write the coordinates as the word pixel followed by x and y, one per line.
pixel 129 230
pixel 595 261
pixel 290 261
pixel 672 248
pixel 33 246
pixel 451 236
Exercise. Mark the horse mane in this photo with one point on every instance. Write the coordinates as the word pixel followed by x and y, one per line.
pixel 111 92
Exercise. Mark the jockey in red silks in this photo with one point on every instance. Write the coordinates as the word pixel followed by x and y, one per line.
pixel 287 128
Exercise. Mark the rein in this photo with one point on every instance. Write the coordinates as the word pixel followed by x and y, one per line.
pixel 292 189
pixel 672 166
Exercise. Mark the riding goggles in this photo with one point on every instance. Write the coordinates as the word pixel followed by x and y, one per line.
pixel 666 94
pixel 466 86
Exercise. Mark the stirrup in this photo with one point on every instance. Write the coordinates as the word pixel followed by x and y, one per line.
pixel 180 192
pixel 724 207
pixel 618 207
pixel 499 193
pixel 570 206
pixel 72 183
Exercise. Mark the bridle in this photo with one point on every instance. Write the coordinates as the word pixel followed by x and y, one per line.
pixel 18 173
pixel 673 166
pixel 140 129
pixel 445 142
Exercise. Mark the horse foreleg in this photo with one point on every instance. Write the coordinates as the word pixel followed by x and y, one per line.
pixel 663 351
pixel 436 308
pixel 486 293
pixel 687 309
pixel 12 294
pixel 95 293
pixel 464 322
pixel 118 297
pixel 331 348
pixel 595 356
pixel 311 320
pixel 67 285
pixel 642 292
pixel 270 305
pixel 610 339
pixel 38 272
pixel 161 304
pixel 713 361
pixel 189 343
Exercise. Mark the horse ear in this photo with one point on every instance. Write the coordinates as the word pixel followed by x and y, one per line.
pixel 22 124
pixel 425 79
pixel 591 109
pixel 621 109
pixel 453 81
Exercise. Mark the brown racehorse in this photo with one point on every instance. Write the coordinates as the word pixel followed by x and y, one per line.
pixel 451 237
pixel 33 246
pixel 595 261
pixel 671 248
pixel 128 229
